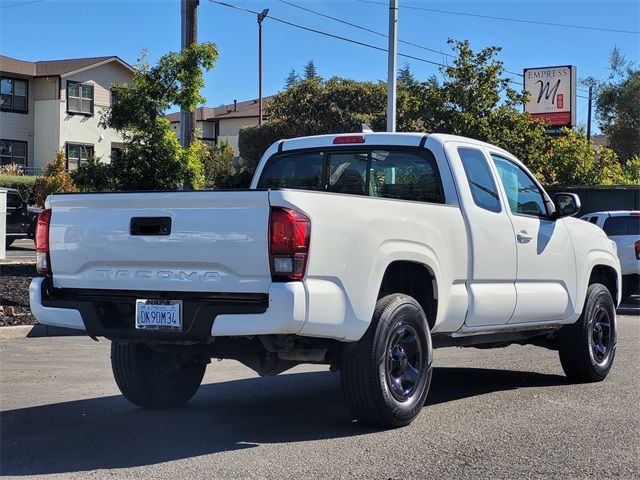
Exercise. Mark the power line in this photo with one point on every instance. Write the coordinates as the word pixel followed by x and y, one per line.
pixel 507 19
pixel 20 3
pixel 382 34
pixel 339 37
pixel 327 34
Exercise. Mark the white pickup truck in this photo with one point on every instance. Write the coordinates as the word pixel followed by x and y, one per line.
pixel 359 251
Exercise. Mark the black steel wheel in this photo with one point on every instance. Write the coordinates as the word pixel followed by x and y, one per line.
pixel 587 347
pixel 386 374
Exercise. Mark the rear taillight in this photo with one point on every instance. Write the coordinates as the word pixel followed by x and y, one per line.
pixel 289 234
pixel 43 264
pixel 637 250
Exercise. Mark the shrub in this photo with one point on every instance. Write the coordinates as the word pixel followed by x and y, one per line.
pixel 12 169
pixel 22 183
pixel 55 180
pixel 253 141
pixel 217 162
pixel 94 176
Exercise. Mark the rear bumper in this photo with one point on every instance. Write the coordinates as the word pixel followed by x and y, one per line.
pixel 111 313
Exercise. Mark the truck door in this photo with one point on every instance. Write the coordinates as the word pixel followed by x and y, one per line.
pixel 492 257
pixel 546 277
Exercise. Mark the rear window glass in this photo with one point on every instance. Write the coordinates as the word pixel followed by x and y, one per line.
pixel 299 170
pixel 399 174
pixel 622 226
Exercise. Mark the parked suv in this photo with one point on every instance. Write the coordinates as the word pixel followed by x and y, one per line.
pixel 623 227
pixel 21 219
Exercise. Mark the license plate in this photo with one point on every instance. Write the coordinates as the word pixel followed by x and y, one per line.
pixel 159 315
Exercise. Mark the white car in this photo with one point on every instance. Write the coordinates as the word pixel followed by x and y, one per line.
pixel 361 251
pixel 623 227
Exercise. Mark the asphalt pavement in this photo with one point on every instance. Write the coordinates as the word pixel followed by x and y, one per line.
pixel 23 250
pixel 503 413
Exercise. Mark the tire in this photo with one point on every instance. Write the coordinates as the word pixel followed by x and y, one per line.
pixel 152 379
pixel 587 348
pixel 386 375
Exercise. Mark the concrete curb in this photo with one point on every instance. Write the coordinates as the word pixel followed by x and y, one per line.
pixel 35 331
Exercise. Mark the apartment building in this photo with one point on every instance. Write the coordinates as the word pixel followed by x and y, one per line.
pixel 48 106
pixel 222 123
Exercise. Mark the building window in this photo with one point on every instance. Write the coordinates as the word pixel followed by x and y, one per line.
pixel 13 151
pixel 79 98
pixel 114 97
pixel 77 154
pixel 13 95
pixel 116 152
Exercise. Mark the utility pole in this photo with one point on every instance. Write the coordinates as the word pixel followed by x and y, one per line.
pixel 589 114
pixel 261 16
pixel 189 24
pixel 391 82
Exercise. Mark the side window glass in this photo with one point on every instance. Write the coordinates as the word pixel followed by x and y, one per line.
pixel 13 200
pixel 406 176
pixel 594 220
pixel 348 173
pixel 523 194
pixel 483 188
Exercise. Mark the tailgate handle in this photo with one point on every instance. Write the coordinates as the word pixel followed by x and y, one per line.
pixel 150 226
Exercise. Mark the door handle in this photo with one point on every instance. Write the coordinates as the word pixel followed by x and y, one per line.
pixel 523 237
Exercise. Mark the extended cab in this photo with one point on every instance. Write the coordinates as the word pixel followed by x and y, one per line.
pixel 359 251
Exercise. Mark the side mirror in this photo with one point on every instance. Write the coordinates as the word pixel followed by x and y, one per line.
pixel 566 204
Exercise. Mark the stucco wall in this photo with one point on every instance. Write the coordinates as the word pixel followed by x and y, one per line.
pixel 230 128
pixel 76 128
pixel 19 126
pixel 47 139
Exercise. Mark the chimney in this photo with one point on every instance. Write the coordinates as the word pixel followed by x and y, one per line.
pixel 235 105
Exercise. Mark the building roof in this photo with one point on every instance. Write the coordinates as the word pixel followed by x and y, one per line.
pixel 50 68
pixel 244 109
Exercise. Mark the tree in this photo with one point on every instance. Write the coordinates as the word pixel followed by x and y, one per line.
pixel 310 72
pixel 405 76
pixel 618 107
pixel 154 159
pixel 291 79
pixel 94 176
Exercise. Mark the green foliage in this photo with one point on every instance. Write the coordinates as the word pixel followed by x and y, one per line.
pixel 572 161
pixel 291 79
pixel 217 163
pixel 405 76
pixel 253 141
pixel 310 72
pixel 154 159
pixel 94 176
pixel 22 183
pixel 55 180
pixel 618 107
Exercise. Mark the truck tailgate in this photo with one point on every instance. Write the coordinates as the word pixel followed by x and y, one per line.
pixel 218 241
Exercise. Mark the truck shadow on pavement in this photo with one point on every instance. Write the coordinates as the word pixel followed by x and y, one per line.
pixel 108 432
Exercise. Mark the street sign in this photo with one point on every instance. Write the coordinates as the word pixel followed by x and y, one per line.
pixel 552 94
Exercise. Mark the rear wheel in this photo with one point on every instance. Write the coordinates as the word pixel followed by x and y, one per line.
pixel 152 379
pixel 587 347
pixel 386 374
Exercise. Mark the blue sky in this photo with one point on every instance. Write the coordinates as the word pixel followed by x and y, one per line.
pixel 66 29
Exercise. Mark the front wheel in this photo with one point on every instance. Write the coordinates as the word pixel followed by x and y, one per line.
pixel 386 374
pixel 587 347
pixel 153 379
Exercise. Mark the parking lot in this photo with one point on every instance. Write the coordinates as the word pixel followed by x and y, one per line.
pixel 504 413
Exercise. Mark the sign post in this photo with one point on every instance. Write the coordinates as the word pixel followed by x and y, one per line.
pixel 552 95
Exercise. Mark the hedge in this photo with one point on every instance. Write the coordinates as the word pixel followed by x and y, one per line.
pixel 23 183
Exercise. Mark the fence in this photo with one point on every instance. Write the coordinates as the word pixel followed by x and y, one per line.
pixel 604 197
